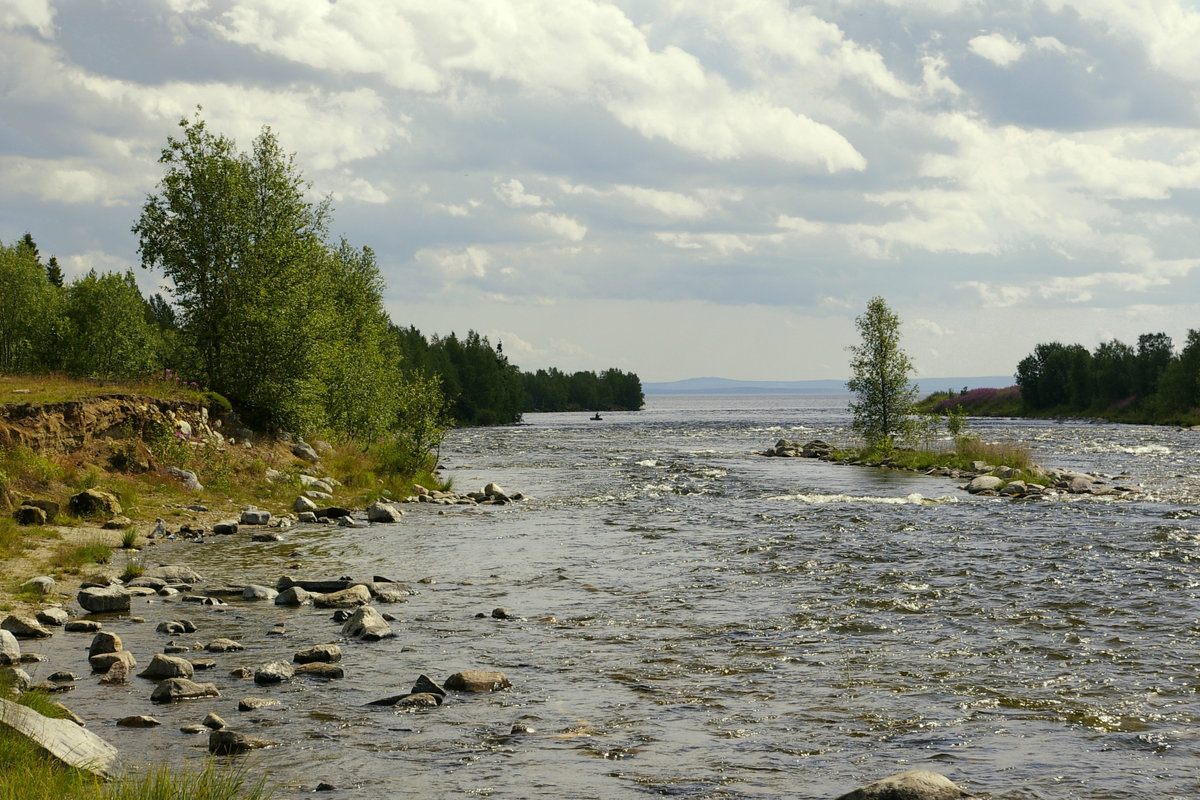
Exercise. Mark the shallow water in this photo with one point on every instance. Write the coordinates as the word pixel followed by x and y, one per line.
pixel 696 620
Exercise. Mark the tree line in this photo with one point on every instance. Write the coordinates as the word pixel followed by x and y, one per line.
pixel 484 388
pixel 1150 382
pixel 262 306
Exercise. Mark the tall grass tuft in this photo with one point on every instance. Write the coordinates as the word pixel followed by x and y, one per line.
pixel 72 558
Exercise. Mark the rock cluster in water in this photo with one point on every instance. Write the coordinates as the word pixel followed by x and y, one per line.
pixel 982 478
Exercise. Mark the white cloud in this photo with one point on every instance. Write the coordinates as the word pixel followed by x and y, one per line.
pixel 71 181
pixel 513 193
pixel 676 205
pixel 1169 29
pixel 931 327
pixel 997 48
pixel 36 14
pixel 78 264
pixel 560 225
pixel 469 262
pixel 577 48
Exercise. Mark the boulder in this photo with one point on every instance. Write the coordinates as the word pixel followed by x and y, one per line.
pixel 303 504
pixel 10 649
pixel 327 653
pixel 293 596
pixel 225 527
pixel 117 674
pixel 426 685
pixel 138 721
pixel 95 503
pixel 255 516
pixel 255 592
pixel 817 448
pixel 82 626
pixel 917 784
pixel 213 722
pixel 367 624
pixel 174 574
pixel 1080 484
pixel 16 678
pixel 29 515
pixel 73 745
pixel 351 522
pixel 162 666
pixel 417 701
pixel 102 662
pixel 146 582
pixel 333 512
pixel 477 680
pixel 105 642
pixel 317 484
pixel 273 672
pixel 255 703
pixel 104 599
pixel 53 615
pixel 225 742
pixel 320 669
pixel 49 507
pixel 223 646
pixel 305 451
pixel 383 512
pixel 23 626
pixel 352 597
pixel 984 483
pixel 173 689
pixel 190 482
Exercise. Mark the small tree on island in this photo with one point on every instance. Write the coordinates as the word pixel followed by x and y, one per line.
pixel 883 393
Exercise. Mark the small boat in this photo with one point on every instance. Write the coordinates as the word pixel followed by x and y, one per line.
pixel 596 417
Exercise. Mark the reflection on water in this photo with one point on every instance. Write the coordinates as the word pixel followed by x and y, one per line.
pixel 696 620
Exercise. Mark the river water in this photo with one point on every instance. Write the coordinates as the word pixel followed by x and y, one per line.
pixel 695 620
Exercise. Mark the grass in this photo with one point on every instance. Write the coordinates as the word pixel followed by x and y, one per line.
pixel 15 540
pixel 965 452
pixel 72 558
pixel 58 387
pixel 128 538
pixel 27 773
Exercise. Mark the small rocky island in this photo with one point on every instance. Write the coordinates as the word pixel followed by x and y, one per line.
pixel 982 478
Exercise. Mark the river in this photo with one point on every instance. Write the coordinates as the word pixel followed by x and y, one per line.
pixel 695 620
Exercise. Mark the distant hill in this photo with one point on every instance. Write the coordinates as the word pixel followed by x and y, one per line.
pixel 727 386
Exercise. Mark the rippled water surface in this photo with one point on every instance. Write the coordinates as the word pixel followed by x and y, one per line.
pixel 695 620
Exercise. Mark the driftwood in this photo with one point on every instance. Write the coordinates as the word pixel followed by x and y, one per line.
pixel 74 746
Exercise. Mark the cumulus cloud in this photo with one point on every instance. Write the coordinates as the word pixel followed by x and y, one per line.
pixel 469 262
pixel 997 48
pixel 560 225
pixel 676 205
pixel 513 193
pixel 36 14
pixel 575 47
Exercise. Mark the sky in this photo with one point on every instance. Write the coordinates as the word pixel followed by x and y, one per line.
pixel 673 188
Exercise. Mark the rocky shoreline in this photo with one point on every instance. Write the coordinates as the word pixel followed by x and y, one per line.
pixel 229 698
pixel 982 479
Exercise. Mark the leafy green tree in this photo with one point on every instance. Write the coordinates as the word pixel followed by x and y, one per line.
pixel 360 364
pixel 1154 353
pixel 884 394
pixel 107 335
pixel 30 310
pixel 1112 370
pixel 245 251
pixel 1179 386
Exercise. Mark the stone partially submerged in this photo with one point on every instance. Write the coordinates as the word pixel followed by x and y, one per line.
pixel 69 743
pixel 916 784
